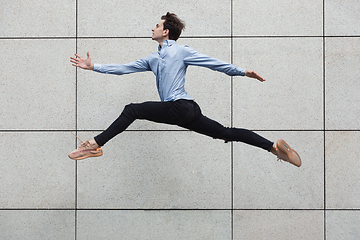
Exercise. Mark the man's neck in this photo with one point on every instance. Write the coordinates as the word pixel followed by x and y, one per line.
pixel 162 41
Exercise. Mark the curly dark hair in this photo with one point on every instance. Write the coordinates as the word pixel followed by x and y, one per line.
pixel 173 24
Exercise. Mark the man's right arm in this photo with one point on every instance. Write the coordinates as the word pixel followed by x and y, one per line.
pixel 84 63
pixel 119 69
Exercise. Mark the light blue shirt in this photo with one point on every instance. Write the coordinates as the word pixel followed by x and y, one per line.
pixel 169 65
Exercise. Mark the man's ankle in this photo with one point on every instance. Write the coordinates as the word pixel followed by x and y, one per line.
pixel 94 143
pixel 274 149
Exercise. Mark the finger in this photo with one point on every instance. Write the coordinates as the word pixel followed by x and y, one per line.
pixel 77 55
pixel 88 54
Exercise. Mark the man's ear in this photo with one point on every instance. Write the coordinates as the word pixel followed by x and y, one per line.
pixel 166 32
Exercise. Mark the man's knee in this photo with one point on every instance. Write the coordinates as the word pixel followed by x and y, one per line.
pixel 225 133
pixel 129 110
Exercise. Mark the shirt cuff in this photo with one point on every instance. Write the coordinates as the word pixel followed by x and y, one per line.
pixel 96 67
pixel 241 71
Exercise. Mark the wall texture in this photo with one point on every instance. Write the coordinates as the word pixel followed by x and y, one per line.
pixel 162 182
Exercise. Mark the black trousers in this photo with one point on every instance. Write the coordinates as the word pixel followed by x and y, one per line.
pixel 183 113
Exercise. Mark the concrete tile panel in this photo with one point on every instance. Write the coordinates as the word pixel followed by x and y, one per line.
pixel 37 85
pixel 279 225
pixel 35 170
pixel 342 18
pixel 37 224
pixel 342 170
pixel 342 225
pixel 157 170
pixel 342 83
pixel 126 19
pixel 277 18
pixel 262 182
pixel 292 96
pixel 138 224
pixel 42 18
pixel 107 95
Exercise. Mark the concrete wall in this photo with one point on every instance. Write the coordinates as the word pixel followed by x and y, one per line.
pixel 162 182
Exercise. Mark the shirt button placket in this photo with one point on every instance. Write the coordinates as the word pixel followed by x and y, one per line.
pixel 160 67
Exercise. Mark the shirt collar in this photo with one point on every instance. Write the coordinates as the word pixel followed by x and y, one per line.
pixel 168 43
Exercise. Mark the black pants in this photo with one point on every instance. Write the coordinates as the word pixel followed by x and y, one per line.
pixel 183 113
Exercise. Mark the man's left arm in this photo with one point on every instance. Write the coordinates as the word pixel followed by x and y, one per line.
pixel 253 74
pixel 195 58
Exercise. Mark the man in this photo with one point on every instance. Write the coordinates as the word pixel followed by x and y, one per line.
pixel 169 65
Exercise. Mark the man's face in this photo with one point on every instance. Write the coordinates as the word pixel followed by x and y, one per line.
pixel 158 31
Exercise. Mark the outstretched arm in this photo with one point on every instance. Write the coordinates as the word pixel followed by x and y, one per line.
pixel 253 74
pixel 84 63
pixel 193 57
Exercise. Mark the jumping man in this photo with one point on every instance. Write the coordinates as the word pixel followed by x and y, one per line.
pixel 176 107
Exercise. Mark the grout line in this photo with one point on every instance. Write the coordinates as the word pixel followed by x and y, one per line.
pixel 178 209
pixel 324 114
pixel 76 124
pixel 184 37
pixel 182 130
pixel 232 120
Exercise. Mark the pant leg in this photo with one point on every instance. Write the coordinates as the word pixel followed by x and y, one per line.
pixel 176 113
pixel 204 125
pixel 184 113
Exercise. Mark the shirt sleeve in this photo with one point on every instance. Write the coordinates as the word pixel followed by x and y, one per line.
pixel 120 69
pixel 195 58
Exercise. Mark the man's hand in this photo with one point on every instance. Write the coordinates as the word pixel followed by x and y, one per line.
pixel 82 62
pixel 253 74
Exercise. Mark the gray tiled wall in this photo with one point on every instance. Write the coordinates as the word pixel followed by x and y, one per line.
pixel 162 182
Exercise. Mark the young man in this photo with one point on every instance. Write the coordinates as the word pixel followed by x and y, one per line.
pixel 169 65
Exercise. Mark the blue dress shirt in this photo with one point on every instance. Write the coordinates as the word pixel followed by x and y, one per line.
pixel 169 65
